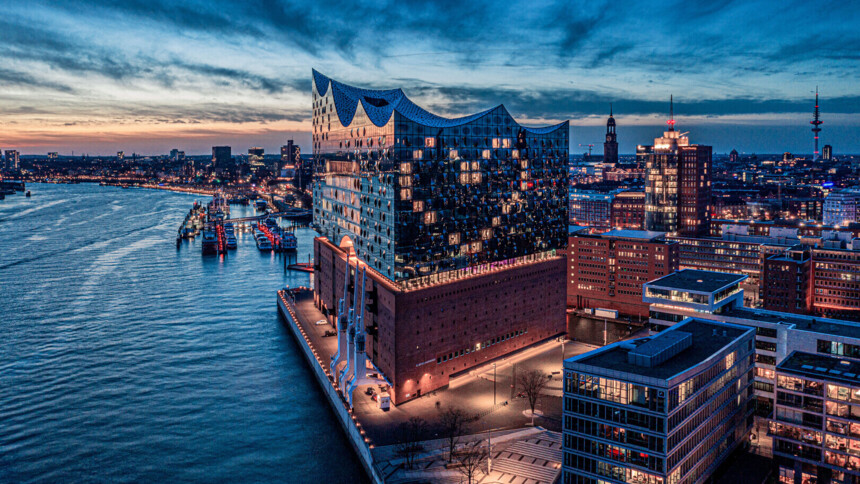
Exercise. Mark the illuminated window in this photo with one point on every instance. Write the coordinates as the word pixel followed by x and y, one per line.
pixel 430 217
pixel 486 154
pixel 454 239
pixel 515 154
pixel 430 142
pixel 506 143
pixel 454 154
pixel 418 206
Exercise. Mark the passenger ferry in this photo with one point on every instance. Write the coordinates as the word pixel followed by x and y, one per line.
pixel 289 241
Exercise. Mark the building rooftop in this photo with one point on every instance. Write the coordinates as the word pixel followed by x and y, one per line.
pixel 573 229
pixel 697 280
pixel 633 234
pixel 706 339
pixel 801 323
pixel 822 366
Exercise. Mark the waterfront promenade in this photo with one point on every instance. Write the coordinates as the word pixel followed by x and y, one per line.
pixel 372 431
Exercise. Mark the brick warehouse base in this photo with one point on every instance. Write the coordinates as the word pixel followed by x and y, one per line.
pixel 418 338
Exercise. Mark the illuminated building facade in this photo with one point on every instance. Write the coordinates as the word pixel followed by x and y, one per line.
pixel 607 271
pixel 12 158
pixel 628 211
pixel 222 158
pixel 459 222
pixel 678 185
pixel 664 409
pixel 589 207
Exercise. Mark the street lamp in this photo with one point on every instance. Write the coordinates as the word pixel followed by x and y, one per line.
pixel 494 383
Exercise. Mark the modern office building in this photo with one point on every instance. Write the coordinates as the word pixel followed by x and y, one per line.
pixel 678 185
pixel 12 160
pixel 610 146
pixel 222 158
pixel 827 153
pixel 256 158
pixel 662 409
pixel 785 282
pixel 120 155
pixel 815 429
pixel 841 208
pixel 590 207
pixel 607 271
pixel 717 297
pixel 460 224
pixel 628 211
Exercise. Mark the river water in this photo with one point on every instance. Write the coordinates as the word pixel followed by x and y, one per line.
pixel 125 359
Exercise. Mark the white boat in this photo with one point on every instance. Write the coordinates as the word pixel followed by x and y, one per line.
pixel 263 243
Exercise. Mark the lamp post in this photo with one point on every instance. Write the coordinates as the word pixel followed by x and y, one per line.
pixel 494 383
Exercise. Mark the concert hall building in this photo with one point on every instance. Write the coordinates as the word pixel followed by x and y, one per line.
pixel 461 223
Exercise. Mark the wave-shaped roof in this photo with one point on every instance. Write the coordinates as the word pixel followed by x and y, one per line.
pixel 380 104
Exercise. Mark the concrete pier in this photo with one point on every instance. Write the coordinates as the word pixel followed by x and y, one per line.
pixel 288 312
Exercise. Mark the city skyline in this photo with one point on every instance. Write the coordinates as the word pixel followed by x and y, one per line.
pixel 194 76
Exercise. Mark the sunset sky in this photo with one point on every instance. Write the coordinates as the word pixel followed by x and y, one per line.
pixel 150 75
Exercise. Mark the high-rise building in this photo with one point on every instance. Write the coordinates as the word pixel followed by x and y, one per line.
pixel 664 409
pixel 12 160
pixel 678 186
pixel 607 271
pixel 120 155
pixel 733 156
pixel 610 147
pixel 221 158
pixel 177 155
pixel 52 155
pixel 255 158
pixel 290 159
pixel 460 224
pixel 827 153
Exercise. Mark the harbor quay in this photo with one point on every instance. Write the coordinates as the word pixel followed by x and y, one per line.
pixel 372 432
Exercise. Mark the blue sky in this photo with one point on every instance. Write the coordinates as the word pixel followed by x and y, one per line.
pixel 149 75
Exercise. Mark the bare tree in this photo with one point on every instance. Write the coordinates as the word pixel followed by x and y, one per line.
pixel 533 383
pixel 410 435
pixel 472 456
pixel 455 423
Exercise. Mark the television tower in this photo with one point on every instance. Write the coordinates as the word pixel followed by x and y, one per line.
pixel 671 121
pixel 815 124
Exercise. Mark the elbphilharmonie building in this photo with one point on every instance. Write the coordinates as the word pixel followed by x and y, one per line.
pixel 459 221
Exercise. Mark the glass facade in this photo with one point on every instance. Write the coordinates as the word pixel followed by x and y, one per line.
pixel 418 194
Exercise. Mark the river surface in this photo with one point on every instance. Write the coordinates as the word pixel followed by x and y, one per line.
pixel 125 359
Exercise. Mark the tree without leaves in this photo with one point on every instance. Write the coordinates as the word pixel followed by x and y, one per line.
pixel 533 383
pixel 455 423
pixel 409 436
pixel 471 457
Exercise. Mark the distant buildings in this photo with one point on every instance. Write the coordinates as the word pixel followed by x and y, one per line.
pixel 607 271
pixel 52 155
pixel 664 409
pixel 222 158
pixel 733 156
pixel 827 153
pixel 841 208
pixel 255 159
pixel 12 160
pixel 459 223
pixel 628 211
pixel 120 155
pixel 177 155
pixel 678 185
pixel 590 207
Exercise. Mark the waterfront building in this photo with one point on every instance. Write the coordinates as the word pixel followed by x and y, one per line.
pixel 607 271
pixel 12 160
pixel 610 146
pixel 678 185
pixel 841 208
pixel 460 224
pixel 222 159
pixel 662 409
pixel 590 207
pixel 627 210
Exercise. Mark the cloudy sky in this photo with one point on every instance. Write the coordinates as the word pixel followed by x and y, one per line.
pixel 150 75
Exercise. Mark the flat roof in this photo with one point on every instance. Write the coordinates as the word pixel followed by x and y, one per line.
pixel 633 234
pixel 802 323
pixel 572 229
pixel 822 366
pixel 704 345
pixel 697 280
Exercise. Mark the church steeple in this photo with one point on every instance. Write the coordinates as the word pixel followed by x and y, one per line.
pixel 610 147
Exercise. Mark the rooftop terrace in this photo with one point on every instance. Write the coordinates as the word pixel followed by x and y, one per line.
pixel 697 280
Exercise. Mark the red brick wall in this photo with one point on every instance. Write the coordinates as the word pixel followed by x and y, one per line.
pixel 414 330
